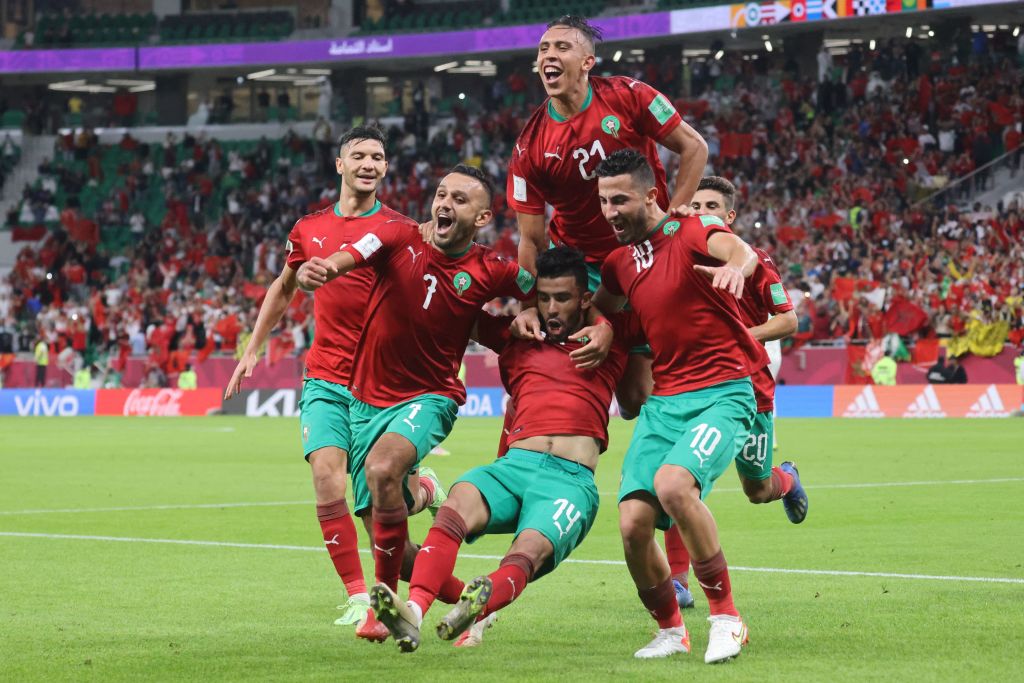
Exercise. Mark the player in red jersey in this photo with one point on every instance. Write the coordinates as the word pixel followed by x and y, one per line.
pixel 682 278
pixel 338 313
pixel 542 490
pixel 419 317
pixel 767 311
pixel 584 119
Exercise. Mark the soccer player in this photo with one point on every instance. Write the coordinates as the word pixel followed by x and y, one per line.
pixel 767 311
pixel 682 277
pixel 338 313
pixel 584 119
pixel 419 317
pixel 542 490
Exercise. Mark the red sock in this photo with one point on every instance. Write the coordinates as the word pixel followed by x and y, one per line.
pixel 660 601
pixel 451 590
pixel 678 556
pixel 342 544
pixel 782 482
pixel 509 581
pixel 428 486
pixel 713 576
pixel 436 559
pixel 390 532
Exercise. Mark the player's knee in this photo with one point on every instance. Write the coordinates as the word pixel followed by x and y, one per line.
pixel 676 488
pixel 383 469
pixel 635 532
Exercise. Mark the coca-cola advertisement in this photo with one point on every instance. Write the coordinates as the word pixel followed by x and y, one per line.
pixel 157 402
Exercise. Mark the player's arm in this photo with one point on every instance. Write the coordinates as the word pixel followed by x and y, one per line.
pixel 739 262
pixel 275 304
pixel 693 157
pixel 533 239
pixel 778 326
pixel 317 272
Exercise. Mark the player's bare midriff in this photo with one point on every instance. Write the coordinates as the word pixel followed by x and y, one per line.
pixel 584 450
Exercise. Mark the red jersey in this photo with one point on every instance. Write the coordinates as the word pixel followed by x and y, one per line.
pixel 421 311
pixel 555 158
pixel 549 393
pixel 695 331
pixel 763 296
pixel 340 306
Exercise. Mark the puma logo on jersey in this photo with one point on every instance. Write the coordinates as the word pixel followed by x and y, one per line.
pixel 556 155
pixel 519 149
pixel 633 84
pixel 414 253
pixel 320 241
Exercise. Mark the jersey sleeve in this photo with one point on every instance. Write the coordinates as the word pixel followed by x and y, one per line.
pixel 654 114
pixel 773 292
pixel 697 229
pixel 515 281
pixel 609 278
pixel 377 244
pixel 520 192
pixel 493 331
pixel 296 256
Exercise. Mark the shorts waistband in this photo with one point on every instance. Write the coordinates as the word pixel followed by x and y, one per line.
pixel 550 460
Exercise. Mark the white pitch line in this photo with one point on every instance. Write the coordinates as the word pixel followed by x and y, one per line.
pixel 142 508
pixel 617 563
pixel 201 506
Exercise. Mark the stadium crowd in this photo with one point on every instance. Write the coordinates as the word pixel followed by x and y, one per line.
pixel 171 259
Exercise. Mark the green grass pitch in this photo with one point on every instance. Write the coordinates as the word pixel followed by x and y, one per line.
pixel 74 608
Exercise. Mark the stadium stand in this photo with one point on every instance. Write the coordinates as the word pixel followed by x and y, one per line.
pixel 166 249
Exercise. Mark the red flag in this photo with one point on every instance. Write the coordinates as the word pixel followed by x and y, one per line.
pixel 904 317
pixel 855 366
pixel 925 353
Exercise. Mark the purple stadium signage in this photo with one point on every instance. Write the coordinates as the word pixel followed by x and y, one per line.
pixel 52 61
pixel 383 47
pixel 760 14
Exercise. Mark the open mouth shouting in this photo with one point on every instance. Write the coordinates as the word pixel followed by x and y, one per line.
pixel 443 224
pixel 550 74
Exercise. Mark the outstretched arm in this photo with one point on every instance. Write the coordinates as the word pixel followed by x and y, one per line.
pixel 740 261
pixel 275 304
pixel 317 272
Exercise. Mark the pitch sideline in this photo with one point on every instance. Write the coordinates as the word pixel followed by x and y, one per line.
pixel 263 546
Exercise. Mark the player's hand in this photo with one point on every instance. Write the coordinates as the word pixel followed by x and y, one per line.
pixel 243 370
pixel 427 231
pixel 527 325
pixel 313 273
pixel 598 340
pixel 682 211
pixel 724 277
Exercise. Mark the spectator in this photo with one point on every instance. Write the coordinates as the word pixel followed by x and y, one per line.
pixel 884 371
pixel 955 373
pixel 937 373
pixel 42 356
pixel 187 378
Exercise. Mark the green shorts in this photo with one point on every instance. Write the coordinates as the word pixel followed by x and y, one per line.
pixel 539 491
pixel 701 431
pixel 754 461
pixel 324 416
pixel 425 421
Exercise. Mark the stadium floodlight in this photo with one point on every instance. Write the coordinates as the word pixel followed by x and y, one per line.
pixel 462 95
pixel 444 67
pixel 910 31
pixel 871 45
pixel 906 161
pixel 768 45
pixel 127 82
pixel 317 72
pixel 719 55
pixel 378 79
pixel 256 75
pixel 152 86
pixel 931 34
pixel 618 55
pixel 1016 32
pixel 64 85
